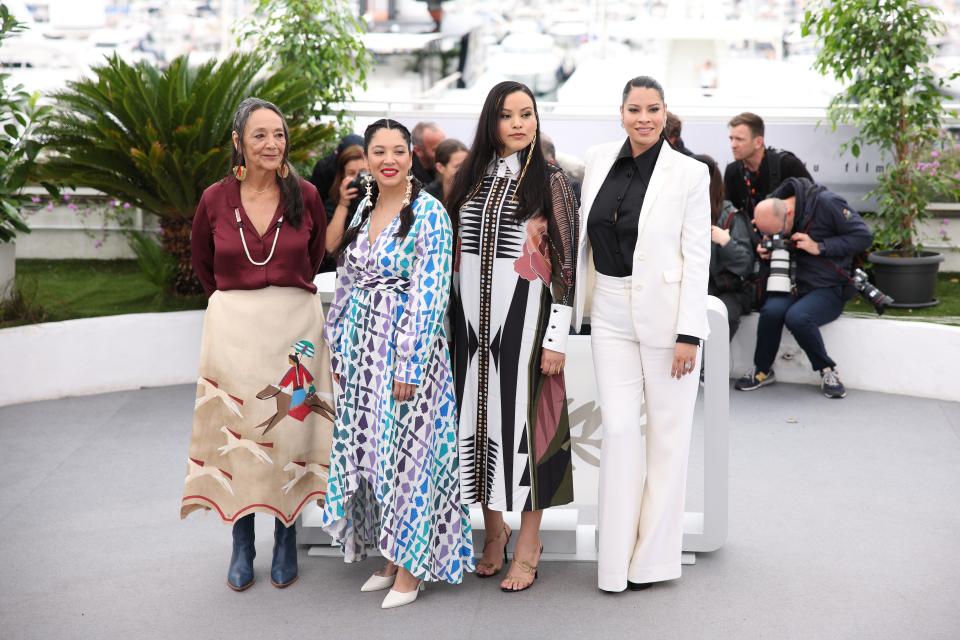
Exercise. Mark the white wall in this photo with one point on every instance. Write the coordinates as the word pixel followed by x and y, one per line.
pixel 77 229
pixel 891 356
pixel 98 355
pixel 574 130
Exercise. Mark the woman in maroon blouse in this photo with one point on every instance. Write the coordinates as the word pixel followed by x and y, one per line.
pixel 262 421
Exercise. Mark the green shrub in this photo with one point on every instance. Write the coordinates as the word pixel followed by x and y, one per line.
pixel 158 267
pixel 881 50
pixel 21 305
pixel 20 116
pixel 319 37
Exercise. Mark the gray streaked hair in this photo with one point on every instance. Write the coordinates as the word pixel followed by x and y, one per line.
pixel 289 186
pixel 420 129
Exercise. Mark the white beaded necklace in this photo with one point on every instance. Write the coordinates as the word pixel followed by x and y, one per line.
pixel 243 240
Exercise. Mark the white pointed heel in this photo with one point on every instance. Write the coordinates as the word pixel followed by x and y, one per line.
pixel 398 599
pixel 377 582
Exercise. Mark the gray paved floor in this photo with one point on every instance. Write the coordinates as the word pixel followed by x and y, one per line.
pixel 844 523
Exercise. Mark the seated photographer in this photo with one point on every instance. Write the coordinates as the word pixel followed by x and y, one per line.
pixel 731 250
pixel 810 236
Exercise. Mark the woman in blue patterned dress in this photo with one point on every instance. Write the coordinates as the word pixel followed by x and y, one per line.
pixel 394 470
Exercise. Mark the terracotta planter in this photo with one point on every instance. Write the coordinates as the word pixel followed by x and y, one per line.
pixel 911 282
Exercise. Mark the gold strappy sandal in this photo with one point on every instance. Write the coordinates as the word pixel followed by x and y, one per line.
pixel 489 566
pixel 526 567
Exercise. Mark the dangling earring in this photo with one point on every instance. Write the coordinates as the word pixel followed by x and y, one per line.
pixel 527 163
pixel 368 184
pixel 240 172
pixel 409 192
pixel 283 171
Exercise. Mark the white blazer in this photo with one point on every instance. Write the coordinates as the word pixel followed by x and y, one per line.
pixel 671 261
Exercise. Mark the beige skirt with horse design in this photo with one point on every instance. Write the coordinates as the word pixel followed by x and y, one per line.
pixel 262 421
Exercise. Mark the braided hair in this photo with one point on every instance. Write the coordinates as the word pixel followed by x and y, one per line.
pixel 406 213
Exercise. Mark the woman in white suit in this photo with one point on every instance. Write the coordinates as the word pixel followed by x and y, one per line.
pixel 645 230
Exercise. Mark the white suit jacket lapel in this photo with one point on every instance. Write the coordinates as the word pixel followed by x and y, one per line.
pixel 661 173
pixel 599 172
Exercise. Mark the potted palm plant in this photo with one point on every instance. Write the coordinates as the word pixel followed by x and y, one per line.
pixel 881 50
pixel 20 115
pixel 157 139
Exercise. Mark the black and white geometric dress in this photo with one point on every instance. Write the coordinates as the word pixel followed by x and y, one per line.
pixel 513 296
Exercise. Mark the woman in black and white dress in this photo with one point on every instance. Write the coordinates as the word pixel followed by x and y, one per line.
pixel 513 295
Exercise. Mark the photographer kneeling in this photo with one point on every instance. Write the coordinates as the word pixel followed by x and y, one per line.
pixel 810 236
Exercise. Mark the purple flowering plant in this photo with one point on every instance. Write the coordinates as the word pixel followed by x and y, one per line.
pixel 97 215
pixel 937 174
pixel 938 170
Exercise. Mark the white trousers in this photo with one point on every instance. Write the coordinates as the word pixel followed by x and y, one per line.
pixel 647 420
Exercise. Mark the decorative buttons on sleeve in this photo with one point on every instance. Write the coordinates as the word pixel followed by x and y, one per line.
pixel 559 328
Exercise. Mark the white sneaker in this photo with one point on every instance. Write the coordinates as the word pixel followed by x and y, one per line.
pixel 398 598
pixel 376 582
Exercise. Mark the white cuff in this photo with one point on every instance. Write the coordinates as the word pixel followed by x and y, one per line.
pixel 558 328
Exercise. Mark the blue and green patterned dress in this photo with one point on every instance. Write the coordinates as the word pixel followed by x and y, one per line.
pixel 394 470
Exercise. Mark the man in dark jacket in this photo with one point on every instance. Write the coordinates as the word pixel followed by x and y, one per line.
pixel 826 233
pixel 756 170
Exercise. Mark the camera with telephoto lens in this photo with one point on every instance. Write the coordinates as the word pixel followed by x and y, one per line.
pixel 782 266
pixel 359 183
pixel 869 292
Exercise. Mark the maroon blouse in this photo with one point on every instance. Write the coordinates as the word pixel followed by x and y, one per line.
pixel 218 257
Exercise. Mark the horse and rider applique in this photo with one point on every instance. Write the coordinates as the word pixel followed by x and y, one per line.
pixel 295 394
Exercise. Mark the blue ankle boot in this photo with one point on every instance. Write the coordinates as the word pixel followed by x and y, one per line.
pixel 283 573
pixel 240 573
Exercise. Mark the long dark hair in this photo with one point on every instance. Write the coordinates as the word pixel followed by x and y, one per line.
pixel 532 192
pixel 289 186
pixel 406 214
pixel 716 185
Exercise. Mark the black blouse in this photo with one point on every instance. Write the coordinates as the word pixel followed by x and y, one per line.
pixel 615 214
